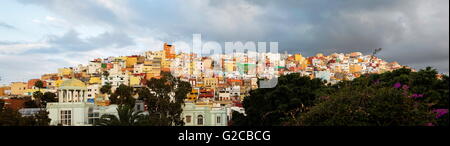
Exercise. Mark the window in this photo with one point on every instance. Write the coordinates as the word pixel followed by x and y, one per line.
pixel 200 120
pixel 188 119
pixel 218 119
pixel 66 117
pixel 138 107
pixel 93 117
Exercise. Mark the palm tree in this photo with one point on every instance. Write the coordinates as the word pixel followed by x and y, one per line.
pixel 126 117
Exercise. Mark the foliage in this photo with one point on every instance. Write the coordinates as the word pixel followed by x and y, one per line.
pixel 293 95
pixel 368 107
pixel 39 84
pixel 126 116
pixel 164 98
pixel 9 117
pixel 397 98
pixel 123 95
pixel 106 89
pixel 38 98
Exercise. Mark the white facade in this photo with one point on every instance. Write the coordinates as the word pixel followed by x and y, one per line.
pixel 204 115
pixel 69 114
pixel 92 91
pixel 116 79
pixel 94 67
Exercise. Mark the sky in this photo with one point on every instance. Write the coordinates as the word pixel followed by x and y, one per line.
pixel 40 36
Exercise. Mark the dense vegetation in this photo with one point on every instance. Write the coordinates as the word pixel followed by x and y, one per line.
pixel 164 97
pixel 9 117
pixel 397 98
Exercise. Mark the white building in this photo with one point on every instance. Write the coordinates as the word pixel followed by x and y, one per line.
pixel 72 108
pixel 116 80
pixel 92 91
pixel 94 67
pixel 204 115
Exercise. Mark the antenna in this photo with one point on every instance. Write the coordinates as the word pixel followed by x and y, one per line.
pixel 374 53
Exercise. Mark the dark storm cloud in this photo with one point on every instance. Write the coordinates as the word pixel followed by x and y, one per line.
pixel 72 42
pixel 412 32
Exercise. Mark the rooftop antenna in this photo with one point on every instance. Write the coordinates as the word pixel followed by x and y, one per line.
pixel 375 52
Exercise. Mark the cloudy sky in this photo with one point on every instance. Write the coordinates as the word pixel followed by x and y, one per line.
pixel 39 36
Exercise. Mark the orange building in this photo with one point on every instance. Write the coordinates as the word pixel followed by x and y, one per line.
pixel 3 90
pixel 169 51
pixel 31 83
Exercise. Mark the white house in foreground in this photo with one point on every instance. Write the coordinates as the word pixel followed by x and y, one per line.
pixel 72 108
pixel 204 114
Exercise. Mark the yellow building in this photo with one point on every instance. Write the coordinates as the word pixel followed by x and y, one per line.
pixel 95 80
pixel 152 68
pixel 355 68
pixel 319 55
pixel 131 61
pixel 58 83
pixel 135 80
pixel 299 57
pixel 18 88
pixel 229 66
pixel 165 64
pixel 193 95
pixel 30 92
pixel 210 82
pixel 65 72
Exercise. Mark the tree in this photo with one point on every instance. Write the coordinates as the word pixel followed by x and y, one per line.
pixel 106 89
pixel 9 117
pixel 294 94
pixel 38 98
pixel 41 118
pixel 123 95
pixel 396 98
pixel 164 98
pixel 106 74
pixel 39 84
pixel 48 97
pixel 2 104
pixel 356 106
pixel 30 104
pixel 126 117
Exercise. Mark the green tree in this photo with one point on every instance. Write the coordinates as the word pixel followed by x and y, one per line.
pixel 396 98
pixel 48 97
pixel 164 98
pixel 106 89
pixel 41 118
pixel 38 98
pixel 39 84
pixel 106 74
pixel 294 94
pixel 9 117
pixel 356 106
pixel 126 117
pixel 123 95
